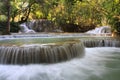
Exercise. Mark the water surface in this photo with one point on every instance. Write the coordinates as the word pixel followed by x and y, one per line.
pixel 98 64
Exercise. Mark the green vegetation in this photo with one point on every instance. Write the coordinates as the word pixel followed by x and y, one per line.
pixel 70 15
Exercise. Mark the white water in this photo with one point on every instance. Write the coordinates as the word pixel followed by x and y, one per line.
pixel 41 53
pixel 99 30
pixel 97 64
pixel 25 29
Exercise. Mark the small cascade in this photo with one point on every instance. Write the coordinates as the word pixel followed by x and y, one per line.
pixel 40 53
pixel 25 29
pixel 56 49
pixel 41 25
pixel 99 30
pixel 105 42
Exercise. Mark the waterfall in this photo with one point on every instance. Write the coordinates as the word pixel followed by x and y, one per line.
pixel 49 53
pixel 50 49
pixel 99 30
pixel 25 29
pixel 41 25
pixel 105 42
pixel 72 52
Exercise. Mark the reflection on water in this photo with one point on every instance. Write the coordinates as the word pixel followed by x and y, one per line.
pixel 88 41
pixel 97 64
pixel 22 41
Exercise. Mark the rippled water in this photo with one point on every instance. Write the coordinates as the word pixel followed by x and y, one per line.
pixel 97 64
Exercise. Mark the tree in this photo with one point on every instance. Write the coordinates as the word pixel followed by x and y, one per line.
pixel 112 8
pixel 79 12
pixel 5 10
pixel 7 3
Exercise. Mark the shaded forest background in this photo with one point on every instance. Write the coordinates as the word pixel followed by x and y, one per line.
pixel 68 15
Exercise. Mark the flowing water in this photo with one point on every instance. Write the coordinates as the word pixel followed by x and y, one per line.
pixel 39 50
pixel 99 30
pixel 25 29
pixel 101 62
pixel 49 50
pixel 98 64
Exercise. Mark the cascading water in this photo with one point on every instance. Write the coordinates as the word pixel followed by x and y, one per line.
pixel 98 63
pixel 25 29
pixel 99 30
pixel 12 53
pixel 102 42
pixel 41 25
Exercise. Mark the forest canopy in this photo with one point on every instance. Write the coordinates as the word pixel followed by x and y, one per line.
pixel 78 12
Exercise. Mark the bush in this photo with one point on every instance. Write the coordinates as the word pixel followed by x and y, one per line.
pixel 13 27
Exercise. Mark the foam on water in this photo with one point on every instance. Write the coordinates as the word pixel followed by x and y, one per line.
pixel 97 64
pixel 24 29
pixel 100 30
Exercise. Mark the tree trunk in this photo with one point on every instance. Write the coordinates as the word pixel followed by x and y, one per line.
pixel 8 16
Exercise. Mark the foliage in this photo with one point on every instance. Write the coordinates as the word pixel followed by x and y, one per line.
pixel 79 12
pixel 112 8
pixel 14 27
